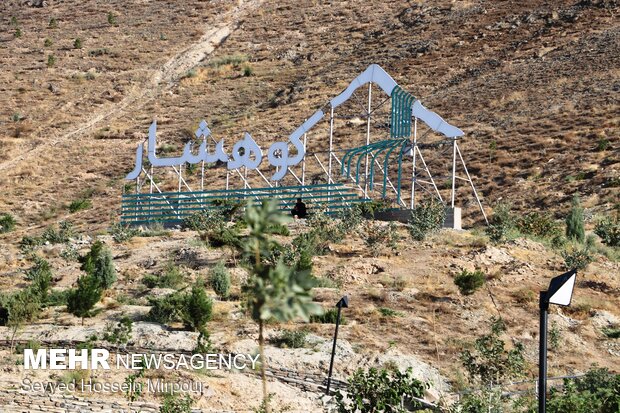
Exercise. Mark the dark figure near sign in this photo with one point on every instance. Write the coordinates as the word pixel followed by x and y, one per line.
pixel 299 210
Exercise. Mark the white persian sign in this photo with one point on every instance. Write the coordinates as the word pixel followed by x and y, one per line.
pixel 245 153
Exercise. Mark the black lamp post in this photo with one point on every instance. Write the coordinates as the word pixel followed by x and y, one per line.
pixel 343 303
pixel 560 292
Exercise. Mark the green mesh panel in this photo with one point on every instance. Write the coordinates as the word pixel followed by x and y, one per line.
pixel 401 113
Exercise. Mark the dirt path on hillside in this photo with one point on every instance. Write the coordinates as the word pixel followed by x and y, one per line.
pixel 160 80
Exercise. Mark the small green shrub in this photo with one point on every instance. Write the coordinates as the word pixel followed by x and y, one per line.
pixel 609 231
pixel 576 257
pixel 381 390
pixel 225 237
pixel 291 339
pixel 207 220
pixel 47 42
pixel 175 403
pixel 278 229
pixel 77 44
pixel 426 218
pixel 28 243
pixel 219 278
pixel 79 205
pixel 468 282
pixel 111 19
pixel 120 333
pixel 388 312
pixel 328 317
pixel 99 264
pixel 51 60
pixel 377 236
pixel 18 33
pixel 166 309
pixel 7 223
pixel 538 225
pixel 40 277
pixel 574 222
pixel 57 298
pixel 248 70
pixel 602 145
pixel 53 23
pixel 121 233
pixel 170 277
pixel 612 332
pixel 61 236
pixel 368 209
pixel 501 223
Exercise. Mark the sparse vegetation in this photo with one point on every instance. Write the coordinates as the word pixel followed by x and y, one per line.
pixel 469 281
pixel 328 316
pixel 538 225
pixel 53 23
pixel 7 223
pixel 176 403
pixel 98 264
pixel 120 333
pixel 574 222
pixel 388 312
pixel 170 277
pixel 291 339
pixel 79 205
pixel 501 223
pixel 51 60
pixel 219 278
pixel 47 42
pixel 609 231
pixel 427 217
pixel 112 19
pixel 577 257
pixel 77 43
pixel 377 236
pixel 380 391
pixel 122 233
pixel 234 60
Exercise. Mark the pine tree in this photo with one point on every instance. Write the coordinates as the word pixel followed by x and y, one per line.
pixel 82 299
pixel 98 263
pixel 574 222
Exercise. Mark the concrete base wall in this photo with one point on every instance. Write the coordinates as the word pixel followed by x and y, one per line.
pixel 453 218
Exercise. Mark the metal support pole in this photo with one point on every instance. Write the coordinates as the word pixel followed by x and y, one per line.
pixel 542 353
pixel 331 142
pixel 472 185
pixel 151 188
pixel 413 152
pixel 331 362
pixel 180 176
pixel 453 169
pixel 303 164
pixel 368 137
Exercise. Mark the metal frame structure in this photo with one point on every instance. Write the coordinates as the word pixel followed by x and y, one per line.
pixel 346 170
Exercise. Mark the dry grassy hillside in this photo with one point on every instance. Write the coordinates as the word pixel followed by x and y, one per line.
pixel 533 85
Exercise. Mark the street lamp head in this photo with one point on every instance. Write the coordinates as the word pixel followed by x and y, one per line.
pixel 561 288
pixel 343 303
